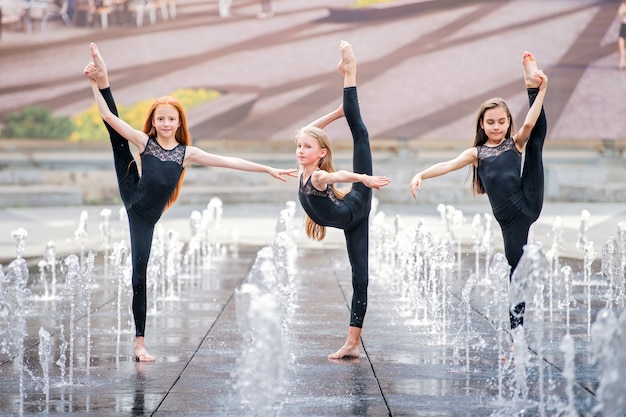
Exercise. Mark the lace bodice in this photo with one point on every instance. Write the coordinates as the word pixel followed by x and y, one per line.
pixel 489 151
pixel 173 155
pixel 308 189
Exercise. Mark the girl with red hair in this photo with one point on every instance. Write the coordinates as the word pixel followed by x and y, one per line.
pixel 165 150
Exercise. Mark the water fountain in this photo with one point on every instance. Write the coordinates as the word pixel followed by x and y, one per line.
pixel 81 233
pixel 553 256
pixel 538 280
pixel 121 270
pixel 15 296
pixel 264 308
pixel 105 232
pixel 566 271
pixel 608 339
pixel 499 272
pixel 613 270
pixel 569 372
pixel 258 379
pixel 48 271
pixel 411 262
pixel 45 352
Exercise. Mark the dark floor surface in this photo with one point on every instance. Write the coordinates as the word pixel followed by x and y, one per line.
pixel 250 331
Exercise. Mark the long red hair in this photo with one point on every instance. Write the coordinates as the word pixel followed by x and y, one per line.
pixel 182 135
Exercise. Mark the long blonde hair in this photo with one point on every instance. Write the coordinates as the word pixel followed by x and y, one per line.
pixel 481 136
pixel 312 229
pixel 182 135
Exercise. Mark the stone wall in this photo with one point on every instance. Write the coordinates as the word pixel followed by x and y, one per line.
pixel 42 173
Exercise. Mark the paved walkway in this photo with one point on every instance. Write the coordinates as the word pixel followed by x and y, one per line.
pixel 424 66
pixel 248 332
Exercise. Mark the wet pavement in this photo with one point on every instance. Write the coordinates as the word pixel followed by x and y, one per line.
pixel 423 353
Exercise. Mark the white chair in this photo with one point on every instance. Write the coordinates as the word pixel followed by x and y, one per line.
pixel 162 5
pixel 34 11
pixel 12 13
pixel 137 8
pixel 88 9
pixel 54 10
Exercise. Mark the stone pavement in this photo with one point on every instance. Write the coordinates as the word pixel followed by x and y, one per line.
pixel 234 339
pixel 424 66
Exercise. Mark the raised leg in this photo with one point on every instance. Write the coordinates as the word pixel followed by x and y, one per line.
pixel 125 166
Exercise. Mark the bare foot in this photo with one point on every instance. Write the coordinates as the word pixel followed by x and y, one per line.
pixel 100 73
pixel 530 68
pixel 346 352
pixel 346 361
pixel 347 64
pixel 141 355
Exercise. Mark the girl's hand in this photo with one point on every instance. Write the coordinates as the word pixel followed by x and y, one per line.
pixel 89 71
pixel 375 181
pixel 416 185
pixel 339 111
pixel 544 79
pixel 278 173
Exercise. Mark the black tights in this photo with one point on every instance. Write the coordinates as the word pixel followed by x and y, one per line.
pixel 141 229
pixel 359 199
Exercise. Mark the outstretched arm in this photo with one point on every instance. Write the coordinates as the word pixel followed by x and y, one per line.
pixel 320 179
pixel 196 155
pixel 327 119
pixel 468 156
pixel 521 137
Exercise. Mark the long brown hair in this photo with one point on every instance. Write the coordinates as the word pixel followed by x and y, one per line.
pixel 481 136
pixel 312 229
pixel 182 135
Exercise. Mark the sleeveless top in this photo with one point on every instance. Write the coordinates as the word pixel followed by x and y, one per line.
pixel 499 169
pixel 160 171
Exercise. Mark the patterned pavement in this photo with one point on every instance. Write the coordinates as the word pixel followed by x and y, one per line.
pixel 424 66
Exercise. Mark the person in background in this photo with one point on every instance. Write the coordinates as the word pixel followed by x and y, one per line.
pixel 266 10
pixel 223 7
pixel 621 40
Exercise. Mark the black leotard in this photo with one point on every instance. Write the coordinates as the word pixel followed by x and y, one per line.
pixel 350 213
pixel 516 200
pixel 144 198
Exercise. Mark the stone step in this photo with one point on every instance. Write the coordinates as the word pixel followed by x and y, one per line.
pixel 37 173
pixel 39 196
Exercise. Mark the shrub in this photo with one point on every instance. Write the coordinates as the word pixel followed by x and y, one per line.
pixel 89 126
pixel 367 3
pixel 37 122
